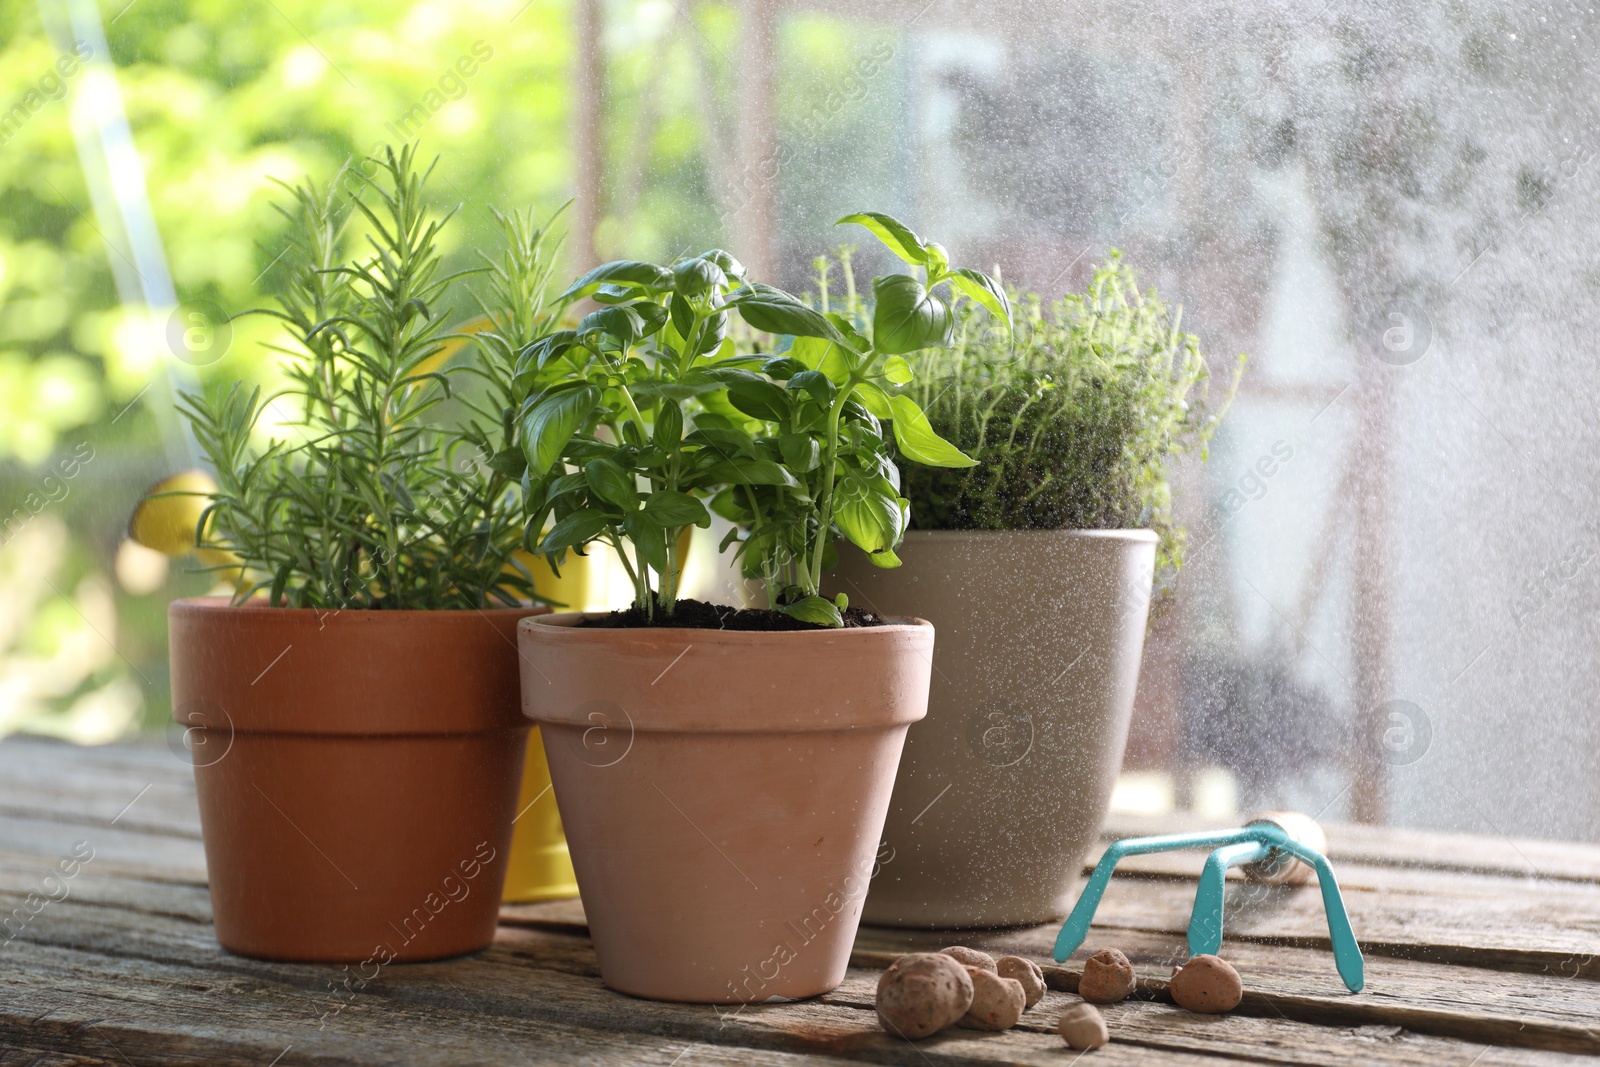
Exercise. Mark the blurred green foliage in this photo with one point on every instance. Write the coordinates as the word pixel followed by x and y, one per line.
pixel 222 98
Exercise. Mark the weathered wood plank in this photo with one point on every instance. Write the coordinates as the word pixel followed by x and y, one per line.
pixel 131 948
pixel 540 989
pixel 1486 853
pixel 171 927
pixel 131 1012
pixel 105 771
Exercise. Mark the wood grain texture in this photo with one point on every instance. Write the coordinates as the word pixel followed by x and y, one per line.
pixel 1473 958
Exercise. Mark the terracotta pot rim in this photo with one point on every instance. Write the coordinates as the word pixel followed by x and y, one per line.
pixel 219 604
pixel 1141 534
pixel 358 673
pixel 565 624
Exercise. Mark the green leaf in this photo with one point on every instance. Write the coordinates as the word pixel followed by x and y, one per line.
pixel 824 356
pixel 742 470
pixel 917 439
pixel 646 275
pixel 983 289
pixel 895 235
pixel 730 266
pixel 906 317
pixel 874 400
pixel 775 311
pixel 649 539
pixel 669 508
pixel 730 504
pixel 612 484
pixel 607 293
pixel 575 531
pixel 567 483
pixel 885 559
pixel 868 514
pixel 550 424
pixel 817 384
pixel 761 399
pixel 667 430
pixel 783 367
pixel 897 371
pixel 545 349
pixel 622 324
pixel 815 610
pixel 801 452
pixel 695 276
pixel 509 463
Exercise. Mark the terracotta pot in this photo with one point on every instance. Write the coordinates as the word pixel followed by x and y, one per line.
pixel 723 793
pixel 357 774
pixel 1005 785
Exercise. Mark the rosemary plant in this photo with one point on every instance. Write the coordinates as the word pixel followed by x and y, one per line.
pixel 1072 417
pixel 366 501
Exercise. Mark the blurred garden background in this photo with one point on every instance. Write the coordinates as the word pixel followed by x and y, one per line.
pixel 1391 212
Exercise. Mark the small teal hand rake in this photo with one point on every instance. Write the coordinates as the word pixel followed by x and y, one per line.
pixel 1274 848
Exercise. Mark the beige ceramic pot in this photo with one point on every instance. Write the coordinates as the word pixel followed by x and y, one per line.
pixel 1005 784
pixel 723 793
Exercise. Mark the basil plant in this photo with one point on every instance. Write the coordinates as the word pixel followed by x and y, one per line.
pixel 660 403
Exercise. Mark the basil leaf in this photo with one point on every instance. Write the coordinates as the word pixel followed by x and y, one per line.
pixel 669 508
pixel 775 311
pixel 895 235
pixel 917 439
pixel 695 276
pixel 646 275
pixel 550 424
pixel 897 371
pixel 816 383
pixel 907 317
pixel 622 324
pixel 667 429
pixel 868 513
pixel 649 539
pixel 875 400
pixel 983 289
pixel 612 484
pixel 885 559
pixel 801 452
pixel 743 470
pixel 575 531
pixel 823 356
pixel 815 610
pixel 761 399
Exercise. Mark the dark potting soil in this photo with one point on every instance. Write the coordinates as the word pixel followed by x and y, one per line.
pixel 698 615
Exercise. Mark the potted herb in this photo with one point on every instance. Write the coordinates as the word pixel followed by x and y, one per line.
pixel 723 773
pixel 1037 565
pixel 358 696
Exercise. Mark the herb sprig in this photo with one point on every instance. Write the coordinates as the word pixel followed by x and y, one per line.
pixel 1073 417
pixel 367 501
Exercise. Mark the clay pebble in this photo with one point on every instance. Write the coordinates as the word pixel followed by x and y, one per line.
pixel 970 957
pixel 1207 984
pixel 1082 1026
pixel 1107 977
pixel 997 1003
pixel 1026 972
pixel 922 993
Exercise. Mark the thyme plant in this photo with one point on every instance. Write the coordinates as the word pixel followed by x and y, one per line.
pixel 656 408
pixel 1073 418
pixel 361 498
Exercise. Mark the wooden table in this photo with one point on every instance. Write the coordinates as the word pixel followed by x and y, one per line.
pixel 1480 950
